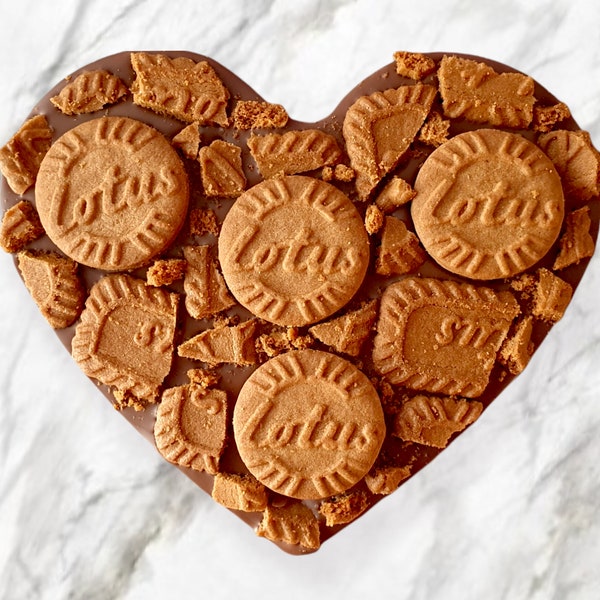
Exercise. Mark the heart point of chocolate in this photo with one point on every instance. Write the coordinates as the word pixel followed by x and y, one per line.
pixel 300 316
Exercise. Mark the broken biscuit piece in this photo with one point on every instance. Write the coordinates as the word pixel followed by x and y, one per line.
pixel 293 523
pixel 576 243
pixel 21 225
pixel 239 492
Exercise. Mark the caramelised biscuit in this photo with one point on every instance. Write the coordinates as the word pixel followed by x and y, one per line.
pixel 489 204
pixel 188 140
pixel 414 64
pixel 576 243
pixel 253 114
pixel 112 193
pixel 551 296
pixel 308 424
pixel 21 157
pixel 348 332
pixel 379 128
pixel 191 426
pixel 396 192
pixel 343 508
pixel 166 271
pixel 473 90
pixel 432 420
pixel 89 92
pixel 20 226
pixel 221 169
pixel 385 479
pixel 205 290
pixel 187 90
pixel 577 161
pixel 293 152
pixel 400 251
pixel 441 336
pixel 233 344
pixel 240 492
pixel 290 523
pixel 293 250
pixel 124 338
pixel 517 349
pixel 53 282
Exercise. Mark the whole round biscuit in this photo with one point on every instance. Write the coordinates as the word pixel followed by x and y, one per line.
pixel 112 193
pixel 293 250
pixel 308 424
pixel 489 204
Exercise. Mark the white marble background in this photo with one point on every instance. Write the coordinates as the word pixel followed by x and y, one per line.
pixel 89 511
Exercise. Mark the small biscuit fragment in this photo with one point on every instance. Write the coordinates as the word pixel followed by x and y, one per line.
pixel 203 221
pixel 53 283
pixel 188 141
pixel 187 90
pixel 21 225
pixel 385 480
pixel 253 114
pixel 576 243
pixel 546 117
pixel 343 173
pixel 239 492
pixel 88 92
pixel 205 290
pixel 293 152
pixel 474 91
pixel 222 170
pixel 576 160
pixel 400 251
pixel 517 349
pixel 413 65
pixel 435 130
pixel 396 193
pixel 373 219
pixel 432 421
pixel 166 271
pixel 204 377
pixel 226 344
pixel 344 508
pixel 191 426
pixel 21 157
pixel 551 296
pixel 347 333
pixel 293 523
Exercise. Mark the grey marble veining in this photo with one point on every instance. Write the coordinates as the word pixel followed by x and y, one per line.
pixel 89 510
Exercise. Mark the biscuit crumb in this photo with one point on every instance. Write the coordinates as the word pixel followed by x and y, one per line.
pixel 203 221
pixel 188 141
pixel 239 492
pixel 397 192
pixel 400 251
pixel 21 225
pixel 21 157
pixel 576 243
pixel 343 173
pixel 546 117
pixel 293 523
pixel 344 508
pixel 435 130
pixel 373 219
pixel 125 399
pixel 413 65
pixel 327 174
pixel 166 271
pixel 203 377
pixel 551 296
pixel 385 480
pixel 252 114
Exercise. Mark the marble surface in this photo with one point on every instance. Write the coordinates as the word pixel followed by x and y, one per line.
pixel 89 510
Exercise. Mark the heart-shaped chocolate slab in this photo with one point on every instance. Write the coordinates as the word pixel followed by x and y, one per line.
pixel 300 316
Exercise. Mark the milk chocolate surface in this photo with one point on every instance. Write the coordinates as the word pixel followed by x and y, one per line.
pixel 398 397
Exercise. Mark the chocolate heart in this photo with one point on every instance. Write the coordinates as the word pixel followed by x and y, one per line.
pixel 300 316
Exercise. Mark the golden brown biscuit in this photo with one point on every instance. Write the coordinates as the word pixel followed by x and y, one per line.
pixel 112 193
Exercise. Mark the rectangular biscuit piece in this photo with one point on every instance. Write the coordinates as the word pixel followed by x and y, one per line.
pixel 474 91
